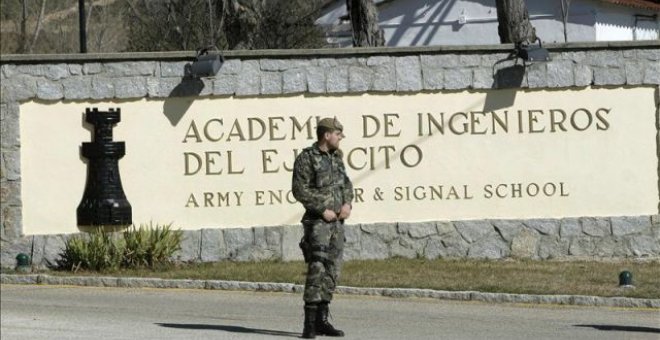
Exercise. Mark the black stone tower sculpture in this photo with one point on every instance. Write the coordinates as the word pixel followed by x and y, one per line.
pixel 104 203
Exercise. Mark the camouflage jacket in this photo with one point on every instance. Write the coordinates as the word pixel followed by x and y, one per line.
pixel 320 182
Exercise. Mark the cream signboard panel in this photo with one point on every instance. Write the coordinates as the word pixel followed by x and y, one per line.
pixel 226 162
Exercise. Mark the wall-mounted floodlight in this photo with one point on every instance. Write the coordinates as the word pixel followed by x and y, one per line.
pixel 206 64
pixel 533 52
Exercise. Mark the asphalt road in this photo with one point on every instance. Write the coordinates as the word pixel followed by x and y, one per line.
pixel 56 312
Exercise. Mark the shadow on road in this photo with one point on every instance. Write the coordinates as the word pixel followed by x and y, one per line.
pixel 234 329
pixel 623 328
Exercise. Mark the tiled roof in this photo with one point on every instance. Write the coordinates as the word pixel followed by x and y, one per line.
pixel 653 5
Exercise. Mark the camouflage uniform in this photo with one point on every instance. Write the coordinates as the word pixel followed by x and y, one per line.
pixel 319 183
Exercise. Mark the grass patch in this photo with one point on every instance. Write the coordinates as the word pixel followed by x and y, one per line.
pixel 502 276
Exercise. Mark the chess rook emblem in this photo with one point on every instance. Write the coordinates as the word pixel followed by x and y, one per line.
pixel 104 203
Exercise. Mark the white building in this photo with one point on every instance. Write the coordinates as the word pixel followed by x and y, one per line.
pixel 467 22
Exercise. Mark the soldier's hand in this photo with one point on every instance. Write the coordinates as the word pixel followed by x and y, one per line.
pixel 345 211
pixel 329 215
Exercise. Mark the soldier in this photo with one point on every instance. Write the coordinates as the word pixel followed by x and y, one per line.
pixel 320 183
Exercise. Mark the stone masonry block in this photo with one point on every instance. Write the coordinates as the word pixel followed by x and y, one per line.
pixel 634 72
pixel 469 60
pixel 596 226
pixel 649 54
pixel 609 76
pixel 489 60
pixel 337 79
pixel 274 64
pixel 605 59
pixel 560 73
pixel 432 76
pixel 644 246
pixel 403 249
pixel 353 244
pixel 483 78
pixel 10 193
pixel 408 74
pixel 291 236
pixel 130 68
pixel 271 83
pixel 213 246
pixel 92 68
pixel 441 61
pixel 326 63
pixel 544 226
pixel 352 61
pixel 231 66
pixel 583 75
pixel 489 248
pixel 49 90
pixel 315 79
pixel 384 77
pixel 225 84
pixel 359 78
pixel 75 69
pixel 525 244
pixel 417 230
pixel 385 231
pixel 47 250
pixel 131 87
pixel 458 79
pixel 173 68
pixel 445 227
pixel 12 161
pixel 103 88
pixel 379 60
pixel 582 246
pixel 475 230
pixel 250 79
pixel 77 87
pixel 374 247
pixel 10 131
pixel 537 75
pixel 294 81
pixel 508 229
pixel 7 71
pixel 49 71
pixel 612 247
pixel 12 221
pixel 551 247
pixel 190 246
pixel 569 227
pixel 652 73
pixel 628 225
pixel 18 88
pixel 9 250
pixel 239 240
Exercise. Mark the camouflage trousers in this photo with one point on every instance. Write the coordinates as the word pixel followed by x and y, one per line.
pixel 324 264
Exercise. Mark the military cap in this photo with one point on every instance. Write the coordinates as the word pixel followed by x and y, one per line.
pixel 331 123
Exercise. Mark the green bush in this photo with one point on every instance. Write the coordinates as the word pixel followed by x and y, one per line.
pixel 146 246
pixel 97 250
pixel 149 246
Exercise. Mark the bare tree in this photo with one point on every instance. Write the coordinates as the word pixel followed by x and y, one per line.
pixel 24 18
pixel 226 24
pixel 364 21
pixel 565 6
pixel 38 28
pixel 514 26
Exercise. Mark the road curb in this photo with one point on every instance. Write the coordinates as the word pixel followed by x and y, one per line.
pixel 138 282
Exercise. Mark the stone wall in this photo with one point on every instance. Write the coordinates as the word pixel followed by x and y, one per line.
pixel 51 78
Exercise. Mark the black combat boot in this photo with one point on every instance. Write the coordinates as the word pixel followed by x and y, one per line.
pixel 309 329
pixel 323 326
